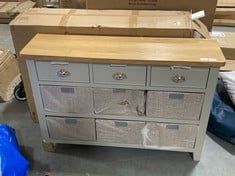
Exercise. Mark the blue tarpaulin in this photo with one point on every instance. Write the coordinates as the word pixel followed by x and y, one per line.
pixel 12 163
pixel 222 116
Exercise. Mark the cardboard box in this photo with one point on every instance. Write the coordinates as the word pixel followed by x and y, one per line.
pixel 100 22
pixel 9 74
pixel 208 6
pixel 226 41
pixel 226 3
pixel 224 17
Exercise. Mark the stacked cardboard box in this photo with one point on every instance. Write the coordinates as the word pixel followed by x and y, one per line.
pixel 226 41
pixel 98 22
pixel 9 10
pixel 225 13
pixel 9 74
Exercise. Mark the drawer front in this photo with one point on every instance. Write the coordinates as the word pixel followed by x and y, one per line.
pixel 120 132
pixel 119 74
pixel 67 99
pixel 62 71
pixel 119 102
pixel 71 128
pixel 174 105
pixel 170 135
pixel 179 77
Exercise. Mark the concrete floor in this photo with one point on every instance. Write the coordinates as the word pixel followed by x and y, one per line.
pixel 74 160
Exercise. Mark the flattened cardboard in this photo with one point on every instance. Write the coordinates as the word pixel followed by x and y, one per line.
pixel 10 75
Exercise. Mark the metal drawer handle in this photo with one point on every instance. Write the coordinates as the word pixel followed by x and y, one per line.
pixel 63 73
pixel 178 78
pixel 119 76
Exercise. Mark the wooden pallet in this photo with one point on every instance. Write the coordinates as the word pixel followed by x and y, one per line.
pixel 9 10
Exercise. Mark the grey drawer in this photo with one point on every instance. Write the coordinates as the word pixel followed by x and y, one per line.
pixel 119 74
pixel 121 132
pixel 170 135
pixel 119 101
pixel 67 99
pixel 71 128
pixel 179 77
pixel 62 71
pixel 175 105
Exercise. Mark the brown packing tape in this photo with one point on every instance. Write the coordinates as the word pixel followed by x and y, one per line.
pixel 201 28
pixel 66 17
pixel 133 19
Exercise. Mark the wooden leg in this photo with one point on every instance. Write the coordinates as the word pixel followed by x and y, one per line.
pixel 48 147
pixel 196 156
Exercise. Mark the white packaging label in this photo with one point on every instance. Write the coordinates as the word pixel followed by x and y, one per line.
pixel 217 34
pixel 1 52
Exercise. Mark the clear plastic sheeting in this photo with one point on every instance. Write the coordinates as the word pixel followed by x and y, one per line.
pixel 119 132
pixel 67 99
pixel 175 105
pixel 12 163
pixel 119 102
pixel 146 134
pixel 156 135
pixel 71 128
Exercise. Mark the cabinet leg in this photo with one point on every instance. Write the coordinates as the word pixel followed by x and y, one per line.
pixel 48 147
pixel 196 156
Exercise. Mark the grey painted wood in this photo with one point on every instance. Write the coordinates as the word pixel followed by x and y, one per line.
pixel 37 97
pixel 129 74
pixel 178 89
pixel 53 71
pixel 124 117
pixel 141 80
pixel 212 81
pixel 190 77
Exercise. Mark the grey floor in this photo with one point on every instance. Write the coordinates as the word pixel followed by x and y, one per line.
pixel 74 160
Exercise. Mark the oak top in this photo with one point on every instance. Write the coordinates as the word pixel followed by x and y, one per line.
pixel 126 50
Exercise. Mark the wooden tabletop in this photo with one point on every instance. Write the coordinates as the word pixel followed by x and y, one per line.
pixel 125 50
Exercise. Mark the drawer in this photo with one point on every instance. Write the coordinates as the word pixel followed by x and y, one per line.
pixel 175 105
pixel 179 77
pixel 121 132
pixel 119 102
pixel 62 71
pixel 170 135
pixel 67 99
pixel 119 74
pixel 71 128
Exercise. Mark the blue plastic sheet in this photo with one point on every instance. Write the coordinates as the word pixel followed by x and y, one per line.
pixel 12 163
pixel 222 116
